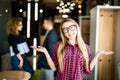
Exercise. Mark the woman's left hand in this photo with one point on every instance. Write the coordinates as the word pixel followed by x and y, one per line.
pixel 106 52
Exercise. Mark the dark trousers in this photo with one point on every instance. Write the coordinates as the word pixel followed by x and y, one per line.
pixel 26 65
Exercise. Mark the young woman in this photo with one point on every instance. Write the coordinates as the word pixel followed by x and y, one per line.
pixel 18 45
pixel 72 57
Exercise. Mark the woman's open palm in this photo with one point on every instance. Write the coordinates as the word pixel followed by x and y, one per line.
pixel 106 52
pixel 39 48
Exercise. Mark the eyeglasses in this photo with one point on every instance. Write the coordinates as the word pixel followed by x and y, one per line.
pixel 71 28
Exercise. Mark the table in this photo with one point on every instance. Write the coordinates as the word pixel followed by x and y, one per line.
pixel 14 75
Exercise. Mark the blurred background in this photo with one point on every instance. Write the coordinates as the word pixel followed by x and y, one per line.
pixel 39 8
pixel 32 12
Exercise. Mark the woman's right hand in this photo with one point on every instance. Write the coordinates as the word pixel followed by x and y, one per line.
pixel 21 64
pixel 49 59
pixel 39 48
pixel 21 60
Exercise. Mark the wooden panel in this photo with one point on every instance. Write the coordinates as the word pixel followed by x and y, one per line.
pixel 107 38
pixel 86 29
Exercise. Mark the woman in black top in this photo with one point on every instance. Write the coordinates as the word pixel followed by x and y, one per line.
pixel 18 45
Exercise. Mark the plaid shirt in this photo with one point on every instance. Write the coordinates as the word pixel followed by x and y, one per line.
pixel 73 63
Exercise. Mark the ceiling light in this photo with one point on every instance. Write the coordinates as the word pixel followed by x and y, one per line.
pixel 0 14
pixel 58 0
pixel 20 10
pixel 41 10
pixel 65 7
pixel 79 6
pixel 6 10
pixel 80 11
pixel 65 16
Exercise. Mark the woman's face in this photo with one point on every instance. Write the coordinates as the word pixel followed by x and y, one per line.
pixel 19 26
pixel 69 30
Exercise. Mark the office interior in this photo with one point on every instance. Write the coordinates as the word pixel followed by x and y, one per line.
pixel 98 19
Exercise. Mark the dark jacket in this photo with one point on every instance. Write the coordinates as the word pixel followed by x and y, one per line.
pixel 49 43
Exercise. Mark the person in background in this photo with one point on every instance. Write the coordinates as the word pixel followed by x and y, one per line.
pixel 72 57
pixel 51 39
pixel 18 45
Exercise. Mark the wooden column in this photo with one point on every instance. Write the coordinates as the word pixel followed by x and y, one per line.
pixel 107 38
pixel 104 36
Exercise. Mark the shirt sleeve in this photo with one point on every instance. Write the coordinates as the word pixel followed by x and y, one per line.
pixel 13 44
pixel 90 56
pixel 89 52
pixel 55 59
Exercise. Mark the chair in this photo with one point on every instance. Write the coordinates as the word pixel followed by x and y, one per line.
pixel 14 75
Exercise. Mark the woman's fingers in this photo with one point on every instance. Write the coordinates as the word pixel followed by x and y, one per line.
pixel 35 48
pixel 38 48
pixel 32 47
pixel 106 52
pixel 110 52
pixel 102 51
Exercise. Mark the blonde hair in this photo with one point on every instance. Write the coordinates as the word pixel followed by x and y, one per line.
pixel 12 25
pixel 80 42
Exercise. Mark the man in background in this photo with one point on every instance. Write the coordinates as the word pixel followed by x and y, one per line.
pixel 51 39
